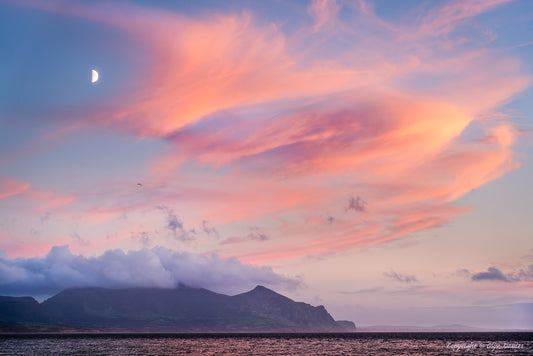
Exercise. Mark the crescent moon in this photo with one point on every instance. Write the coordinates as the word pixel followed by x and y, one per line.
pixel 94 76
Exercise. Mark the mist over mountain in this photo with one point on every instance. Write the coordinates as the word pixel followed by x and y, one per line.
pixel 158 267
pixel 182 309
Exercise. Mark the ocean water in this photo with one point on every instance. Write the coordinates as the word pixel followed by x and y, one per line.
pixel 270 344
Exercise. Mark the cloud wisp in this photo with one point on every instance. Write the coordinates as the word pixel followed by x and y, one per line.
pixel 10 187
pixel 175 225
pixel 356 204
pixel 401 277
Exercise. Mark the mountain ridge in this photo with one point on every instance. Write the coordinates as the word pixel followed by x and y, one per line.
pixel 182 309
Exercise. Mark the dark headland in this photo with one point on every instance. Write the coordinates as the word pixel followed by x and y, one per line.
pixel 183 309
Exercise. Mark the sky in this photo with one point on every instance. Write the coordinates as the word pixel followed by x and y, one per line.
pixel 373 157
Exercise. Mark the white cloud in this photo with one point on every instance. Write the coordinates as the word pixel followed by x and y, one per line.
pixel 157 267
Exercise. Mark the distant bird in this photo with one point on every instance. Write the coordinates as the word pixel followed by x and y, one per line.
pixel 139 185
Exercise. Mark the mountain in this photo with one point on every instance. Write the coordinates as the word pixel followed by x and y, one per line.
pixel 182 309
pixel 347 325
pixel 16 313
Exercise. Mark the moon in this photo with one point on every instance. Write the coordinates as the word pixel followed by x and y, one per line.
pixel 94 76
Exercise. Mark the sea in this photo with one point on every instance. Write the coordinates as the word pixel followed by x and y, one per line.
pixel 359 343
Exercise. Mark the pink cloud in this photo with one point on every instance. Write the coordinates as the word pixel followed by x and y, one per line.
pixel 25 246
pixel 10 187
pixel 200 66
pixel 263 128
pixel 46 200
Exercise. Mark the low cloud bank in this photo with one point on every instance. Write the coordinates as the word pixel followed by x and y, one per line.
pixel 157 267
